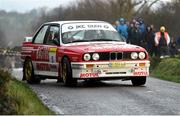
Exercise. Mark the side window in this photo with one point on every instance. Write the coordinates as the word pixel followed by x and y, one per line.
pixel 40 36
pixel 53 35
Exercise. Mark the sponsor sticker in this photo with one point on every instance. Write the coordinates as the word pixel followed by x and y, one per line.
pixel 52 49
pixel 42 53
pixel 86 26
pixel 140 73
pixel 42 66
pixel 86 75
pixel 52 55
pixel 117 64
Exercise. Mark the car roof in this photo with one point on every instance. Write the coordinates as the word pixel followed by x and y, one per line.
pixel 75 21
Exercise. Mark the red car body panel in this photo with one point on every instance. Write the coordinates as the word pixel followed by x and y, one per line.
pixel 47 59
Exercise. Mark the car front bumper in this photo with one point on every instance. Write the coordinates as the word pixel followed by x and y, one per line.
pixel 85 70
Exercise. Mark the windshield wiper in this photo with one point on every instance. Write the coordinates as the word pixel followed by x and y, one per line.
pixel 80 41
pixel 92 40
pixel 104 40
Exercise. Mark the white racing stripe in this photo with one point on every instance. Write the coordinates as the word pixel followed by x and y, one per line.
pixel 27 48
pixel 26 51
pixel 41 62
pixel 46 73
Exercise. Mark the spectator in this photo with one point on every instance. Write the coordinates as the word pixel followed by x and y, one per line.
pixel 172 47
pixel 142 30
pixel 178 44
pixel 123 28
pixel 178 41
pixel 116 24
pixel 134 21
pixel 155 47
pixel 130 32
pixel 162 41
pixel 142 26
pixel 149 40
pixel 134 34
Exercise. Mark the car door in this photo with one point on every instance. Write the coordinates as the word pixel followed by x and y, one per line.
pixel 40 56
pixel 52 43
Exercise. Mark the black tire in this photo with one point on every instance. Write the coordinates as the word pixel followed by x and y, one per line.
pixel 28 73
pixel 67 74
pixel 138 81
pixel 60 79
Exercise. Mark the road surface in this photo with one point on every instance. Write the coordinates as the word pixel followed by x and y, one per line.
pixel 117 97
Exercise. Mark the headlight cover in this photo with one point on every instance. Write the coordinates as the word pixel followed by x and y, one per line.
pixel 142 55
pixel 87 57
pixel 95 56
pixel 134 55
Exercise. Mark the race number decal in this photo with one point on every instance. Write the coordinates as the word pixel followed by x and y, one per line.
pixel 52 55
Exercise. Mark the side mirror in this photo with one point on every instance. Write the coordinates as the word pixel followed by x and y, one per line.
pixel 28 39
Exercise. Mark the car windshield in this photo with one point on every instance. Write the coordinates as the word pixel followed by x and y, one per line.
pixel 90 36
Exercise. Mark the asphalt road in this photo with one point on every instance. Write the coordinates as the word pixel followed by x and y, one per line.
pixel 117 97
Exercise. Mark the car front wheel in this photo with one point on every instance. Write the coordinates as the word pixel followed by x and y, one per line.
pixel 67 73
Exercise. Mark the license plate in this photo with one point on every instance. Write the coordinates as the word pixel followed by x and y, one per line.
pixel 117 65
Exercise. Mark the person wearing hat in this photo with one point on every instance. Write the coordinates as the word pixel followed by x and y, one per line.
pixel 123 28
pixel 162 41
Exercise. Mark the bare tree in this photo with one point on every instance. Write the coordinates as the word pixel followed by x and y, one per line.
pixel 145 5
pixel 111 10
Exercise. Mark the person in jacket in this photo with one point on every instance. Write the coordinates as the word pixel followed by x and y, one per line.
pixel 123 28
pixel 178 42
pixel 142 29
pixel 149 40
pixel 116 24
pixel 130 33
pixel 142 26
pixel 134 34
pixel 162 41
pixel 173 47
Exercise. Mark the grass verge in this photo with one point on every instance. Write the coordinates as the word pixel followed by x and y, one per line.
pixel 17 98
pixel 166 69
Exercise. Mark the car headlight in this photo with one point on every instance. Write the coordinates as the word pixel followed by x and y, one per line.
pixel 87 57
pixel 95 56
pixel 142 55
pixel 134 55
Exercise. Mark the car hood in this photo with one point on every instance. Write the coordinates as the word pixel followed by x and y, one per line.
pixel 86 47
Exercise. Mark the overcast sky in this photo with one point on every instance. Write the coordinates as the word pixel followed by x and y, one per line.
pixel 27 5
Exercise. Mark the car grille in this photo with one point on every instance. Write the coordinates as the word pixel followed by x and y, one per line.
pixel 111 56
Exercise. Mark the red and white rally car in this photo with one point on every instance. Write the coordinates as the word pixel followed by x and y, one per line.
pixel 72 50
